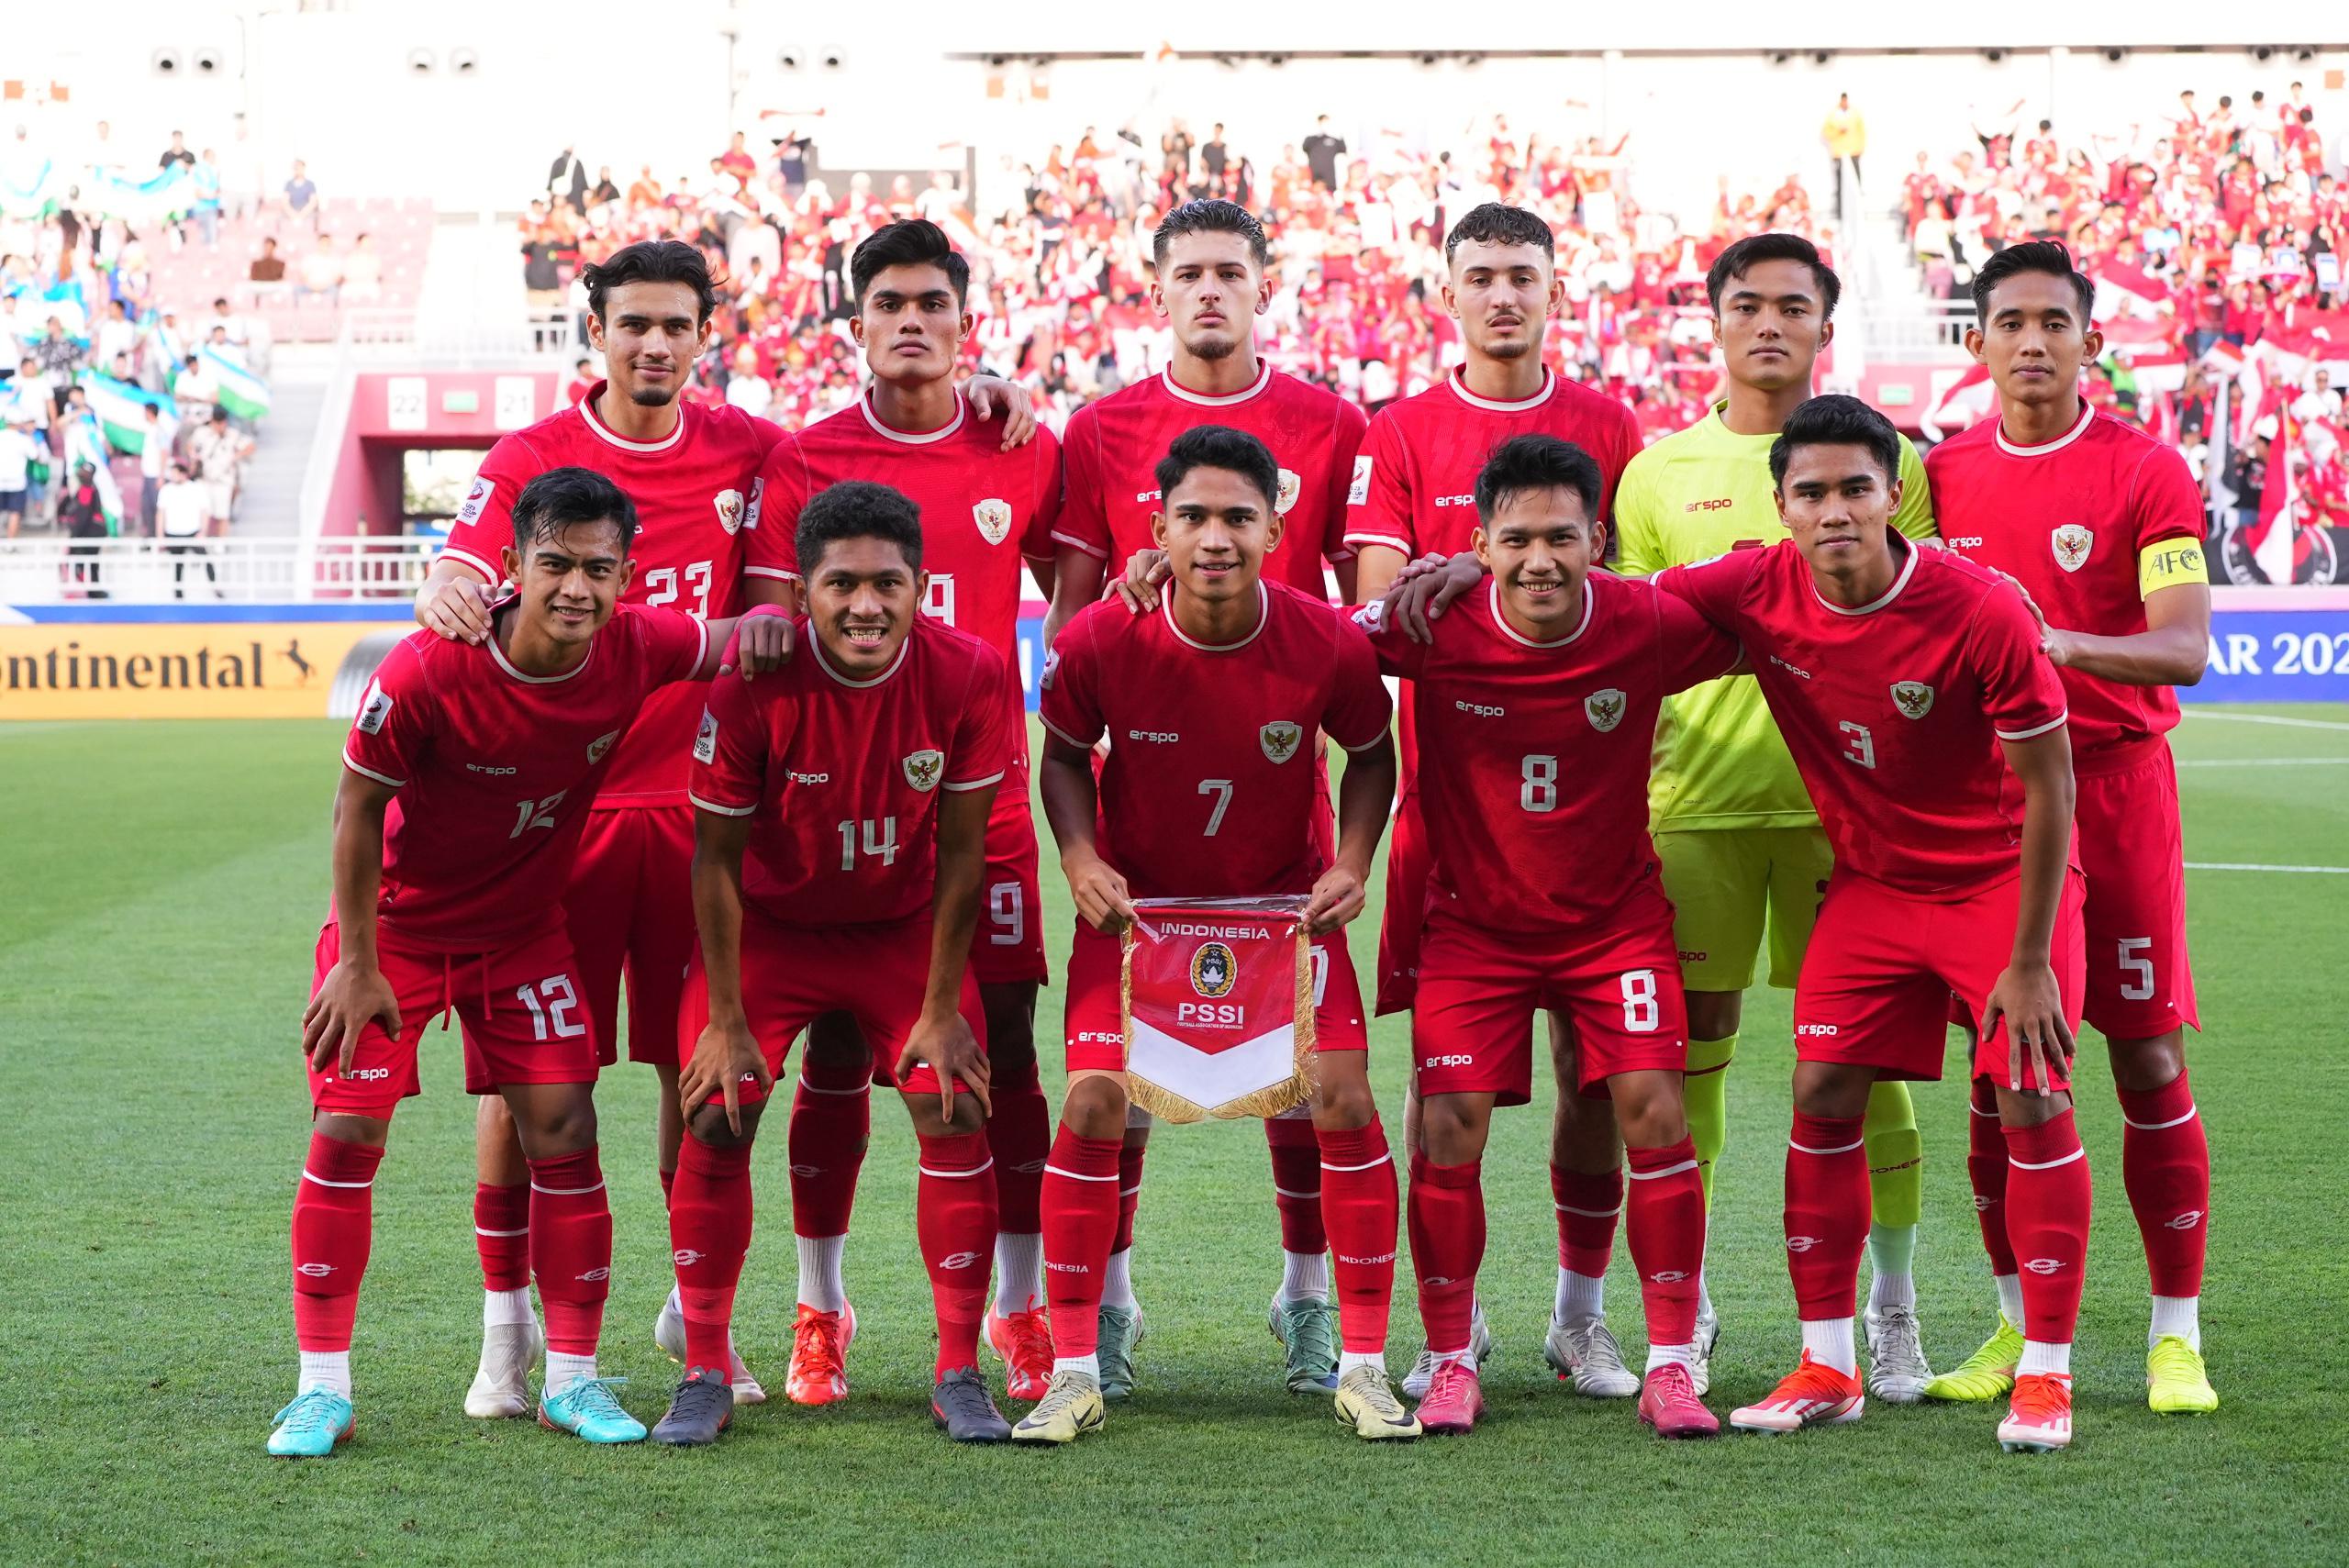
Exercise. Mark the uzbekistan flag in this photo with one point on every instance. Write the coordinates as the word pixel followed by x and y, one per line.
pixel 84 443
pixel 120 407
pixel 243 393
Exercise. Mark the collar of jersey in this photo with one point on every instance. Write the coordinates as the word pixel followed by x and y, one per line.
pixel 1908 570
pixel 507 664
pixel 2080 428
pixel 1493 596
pixel 1175 388
pixel 826 665
pixel 887 431
pixel 603 431
pixel 1458 381
pixel 1264 614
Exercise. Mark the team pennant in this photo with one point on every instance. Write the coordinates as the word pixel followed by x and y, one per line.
pixel 1218 1001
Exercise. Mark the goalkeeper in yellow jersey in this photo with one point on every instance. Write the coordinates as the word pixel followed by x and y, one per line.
pixel 1743 856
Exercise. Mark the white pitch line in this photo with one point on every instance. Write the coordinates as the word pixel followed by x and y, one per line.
pixel 2270 719
pixel 2265 763
pixel 2237 865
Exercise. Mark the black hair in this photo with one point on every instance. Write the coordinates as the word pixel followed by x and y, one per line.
pixel 652 261
pixel 1495 224
pixel 2048 256
pixel 858 508
pixel 1837 421
pixel 1536 462
pixel 1220 446
pixel 1754 249
pixel 910 242
pixel 560 497
pixel 1210 218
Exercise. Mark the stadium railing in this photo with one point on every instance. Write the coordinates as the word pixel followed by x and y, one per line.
pixel 248 570
pixel 1925 332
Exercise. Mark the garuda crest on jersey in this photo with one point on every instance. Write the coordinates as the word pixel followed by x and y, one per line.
pixel 923 767
pixel 994 518
pixel 1605 709
pixel 1279 740
pixel 1285 501
pixel 730 509
pixel 1914 699
pixel 2072 543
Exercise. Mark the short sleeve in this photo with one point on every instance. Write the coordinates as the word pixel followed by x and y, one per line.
pixel 1359 708
pixel 1396 654
pixel 2021 692
pixel 2163 503
pixel 771 546
pixel 673 643
pixel 1081 522
pixel 1694 650
pixel 1714 585
pixel 1378 497
pixel 730 749
pixel 980 750
pixel 396 718
pixel 1043 514
pixel 1914 516
pixel 1345 450
pixel 483 525
pixel 1639 530
pixel 1069 699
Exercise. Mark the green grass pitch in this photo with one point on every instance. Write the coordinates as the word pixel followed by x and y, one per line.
pixel 163 884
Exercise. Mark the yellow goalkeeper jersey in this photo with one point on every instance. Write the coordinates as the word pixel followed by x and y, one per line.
pixel 1719 763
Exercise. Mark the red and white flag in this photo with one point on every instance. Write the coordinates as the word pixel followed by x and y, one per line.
pixel 1218 1001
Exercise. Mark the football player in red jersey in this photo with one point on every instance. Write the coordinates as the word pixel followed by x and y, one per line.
pixel 691 472
pixel 467 782
pixel 1196 800
pixel 1900 677
pixel 841 814
pixel 2102 526
pixel 984 511
pixel 1414 491
pixel 1209 284
pixel 1538 702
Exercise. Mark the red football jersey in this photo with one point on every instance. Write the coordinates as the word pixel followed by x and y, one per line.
pixel 496 771
pixel 1533 756
pixel 841 777
pixel 982 510
pixel 1894 711
pixel 2069 520
pixel 1110 480
pixel 696 494
pixel 1209 788
pixel 1415 484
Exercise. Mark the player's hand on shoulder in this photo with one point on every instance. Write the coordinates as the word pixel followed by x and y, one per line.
pixel 1336 898
pixel 350 997
pixel 2028 997
pixel 1421 591
pixel 1103 899
pixel 1146 569
pixel 991 397
pixel 948 1048
pixel 762 644
pixel 726 1054
pixel 456 607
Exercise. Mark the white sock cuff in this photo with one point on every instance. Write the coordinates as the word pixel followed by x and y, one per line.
pixel 2041 1357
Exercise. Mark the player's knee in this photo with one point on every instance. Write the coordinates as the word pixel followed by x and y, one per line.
pixel 1096 1108
pixel 1452 1128
pixel 558 1124
pixel 1831 1089
pixel 367 1131
pixel 708 1126
pixel 1344 1102
pixel 2141 1066
pixel 2018 1108
pixel 1714 1014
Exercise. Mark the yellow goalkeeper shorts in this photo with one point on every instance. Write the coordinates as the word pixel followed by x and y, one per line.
pixel 1729 886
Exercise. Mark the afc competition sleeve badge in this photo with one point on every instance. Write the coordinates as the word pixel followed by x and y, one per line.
pixel 706 744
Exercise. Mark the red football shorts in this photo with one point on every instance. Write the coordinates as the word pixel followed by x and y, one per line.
pixel 524 1019
pixel 791 974
pixel 2140 981
pixel 630 906
pixel 1480 991
pixel 1008 945
pixel 1096 1025
pixel 1882 967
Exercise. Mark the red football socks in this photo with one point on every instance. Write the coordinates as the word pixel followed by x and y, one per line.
pixel 1587 1207
pixel 1447 1223
pixel 954 1218
pixel 502 1235
pixel 333 1225
pixel 1826 1214
pixel 1358 1207
pixel 571 1249
pixel 831 1121
pixel 1080 1218
pixel 2166 1165
pixel 1667 1236
pixel 709 1233
pixel 2047 1220
pixel 1297 1183
pixel 1986 1167
pixel 1020 1134
pixel 1130 1159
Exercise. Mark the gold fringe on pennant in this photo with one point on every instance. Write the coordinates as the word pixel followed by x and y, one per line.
pixel 1265 1103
